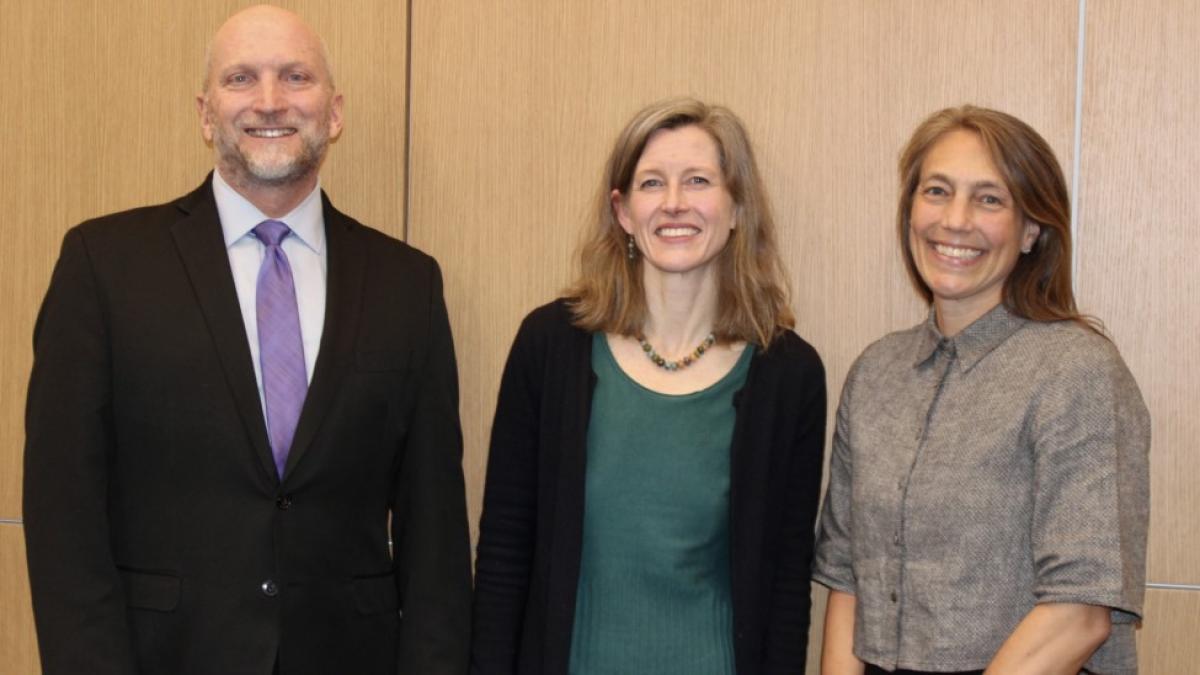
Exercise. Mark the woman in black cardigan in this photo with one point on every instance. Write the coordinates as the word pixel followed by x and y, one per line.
pixel 656 454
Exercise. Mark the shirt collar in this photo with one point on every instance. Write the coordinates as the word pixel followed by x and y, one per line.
pixel 974 342
pixel 239 216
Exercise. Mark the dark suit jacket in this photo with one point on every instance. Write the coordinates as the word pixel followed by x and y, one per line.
pixel 160 539
pixel 531 533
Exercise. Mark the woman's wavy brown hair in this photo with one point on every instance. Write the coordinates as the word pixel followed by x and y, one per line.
pixel 1039 287
pixel 752 288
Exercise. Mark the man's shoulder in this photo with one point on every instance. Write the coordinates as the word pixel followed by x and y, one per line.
pixel 389 256
pixel 154 215
pixel 138 221
pixel 382 243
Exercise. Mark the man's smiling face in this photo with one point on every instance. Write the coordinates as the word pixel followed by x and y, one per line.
pixel 269 106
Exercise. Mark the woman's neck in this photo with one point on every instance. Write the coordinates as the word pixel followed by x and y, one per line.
pixel 681 308
pixel 954 316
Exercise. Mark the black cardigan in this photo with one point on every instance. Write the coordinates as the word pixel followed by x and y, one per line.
pixel 531 532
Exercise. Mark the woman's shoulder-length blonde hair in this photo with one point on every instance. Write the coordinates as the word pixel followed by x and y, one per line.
pixel 1039 286
pixel 752 288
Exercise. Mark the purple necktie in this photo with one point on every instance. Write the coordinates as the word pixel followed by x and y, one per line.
pixel 281 348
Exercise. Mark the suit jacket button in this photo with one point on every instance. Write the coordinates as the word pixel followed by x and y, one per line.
pixel 269 588
pixel 283 503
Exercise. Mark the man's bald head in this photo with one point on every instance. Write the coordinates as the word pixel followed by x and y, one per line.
pixel 265 21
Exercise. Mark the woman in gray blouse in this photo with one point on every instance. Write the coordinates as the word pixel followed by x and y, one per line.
pixel 988 495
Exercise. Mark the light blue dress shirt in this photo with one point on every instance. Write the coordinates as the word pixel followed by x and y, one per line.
pixel 306 254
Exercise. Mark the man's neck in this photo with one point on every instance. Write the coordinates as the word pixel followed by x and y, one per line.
pixel 275 201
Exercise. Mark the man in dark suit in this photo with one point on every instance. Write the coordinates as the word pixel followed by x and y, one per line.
pixel 233 394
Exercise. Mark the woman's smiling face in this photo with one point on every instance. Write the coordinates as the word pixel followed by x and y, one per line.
pixel 678 209
pixel 966 233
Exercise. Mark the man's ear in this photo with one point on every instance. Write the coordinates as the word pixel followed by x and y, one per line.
pixel 206 127
pixel 335 117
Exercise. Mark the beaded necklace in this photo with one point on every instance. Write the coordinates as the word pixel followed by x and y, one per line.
pixel 681 363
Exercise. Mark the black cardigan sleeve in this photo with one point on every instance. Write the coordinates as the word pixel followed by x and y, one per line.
pixel 507 529
pixel 790 601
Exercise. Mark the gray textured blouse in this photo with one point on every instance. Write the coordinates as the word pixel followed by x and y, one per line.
pixel 973 477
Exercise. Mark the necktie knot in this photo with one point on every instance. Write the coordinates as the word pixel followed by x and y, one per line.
pixel 271 232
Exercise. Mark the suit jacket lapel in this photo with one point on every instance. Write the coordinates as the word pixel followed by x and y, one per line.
pixel 346 258
pixel 202 248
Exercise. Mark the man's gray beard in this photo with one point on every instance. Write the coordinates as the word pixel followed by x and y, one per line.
pixel 239 167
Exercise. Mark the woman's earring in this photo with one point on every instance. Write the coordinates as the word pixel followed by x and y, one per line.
pixel 632 248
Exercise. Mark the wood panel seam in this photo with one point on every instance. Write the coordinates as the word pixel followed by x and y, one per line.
pixel 408 123
pixel 1077 141
pixel 1172 587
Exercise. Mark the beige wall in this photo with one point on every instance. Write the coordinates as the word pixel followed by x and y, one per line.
pixel 513 106
pixel 1137 270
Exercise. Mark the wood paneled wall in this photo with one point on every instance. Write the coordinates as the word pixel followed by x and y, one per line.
pixel 1138 242
pixel 514 105
pixel 98 115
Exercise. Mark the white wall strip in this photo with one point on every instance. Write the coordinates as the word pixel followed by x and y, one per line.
pixel 1174 587
pixel 1080 57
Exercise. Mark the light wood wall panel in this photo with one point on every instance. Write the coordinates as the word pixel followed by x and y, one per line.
pixel 99 115
pixel 516 103
pixel 18 649
pixel 1167 640
pixel 1138 243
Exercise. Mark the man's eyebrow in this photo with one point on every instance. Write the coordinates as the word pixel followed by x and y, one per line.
pixel 286 65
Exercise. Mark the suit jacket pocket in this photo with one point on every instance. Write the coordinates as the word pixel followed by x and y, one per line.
pixel 151 590
pixel 376 594
pixel 381 360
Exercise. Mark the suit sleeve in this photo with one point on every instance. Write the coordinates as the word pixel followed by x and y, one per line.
pixel 791 597
pixel 507 529
pixel 429 518
pixel 78 600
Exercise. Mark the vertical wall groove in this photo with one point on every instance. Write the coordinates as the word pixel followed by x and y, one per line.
pixel 408 105
pixel 1077 139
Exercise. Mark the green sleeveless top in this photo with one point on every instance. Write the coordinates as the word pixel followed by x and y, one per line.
pixel 653 593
